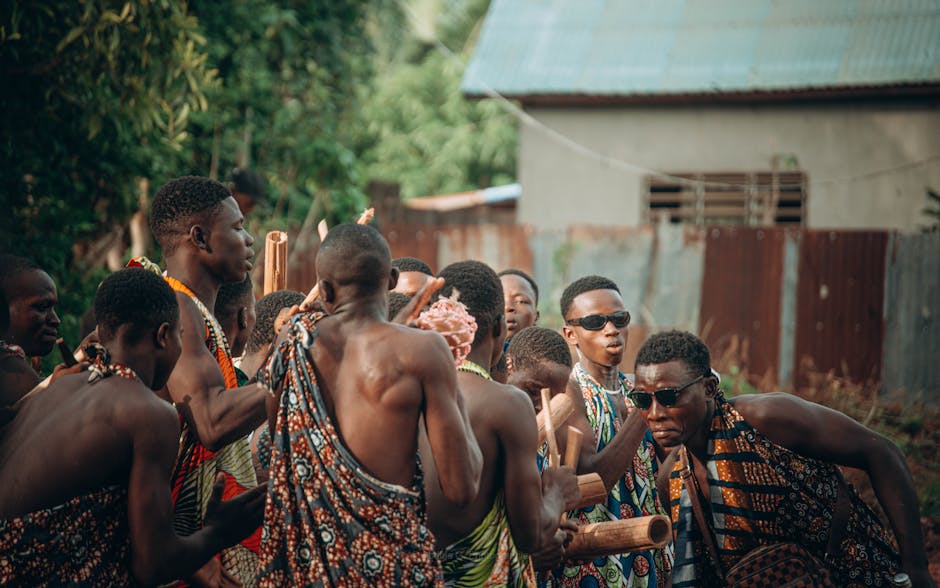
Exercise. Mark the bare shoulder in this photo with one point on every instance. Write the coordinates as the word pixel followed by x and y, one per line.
pixel 139 411
pixel 511 407
pixel 785 418
pixel 418 345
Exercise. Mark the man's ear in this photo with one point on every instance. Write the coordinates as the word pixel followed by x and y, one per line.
pixel 200 237
pixel 711 386
pixel 499 328
pixel 161 335
pixel 393 278
pixel 242 317
pixel 570 336
pixel 537 315
pixel 509 367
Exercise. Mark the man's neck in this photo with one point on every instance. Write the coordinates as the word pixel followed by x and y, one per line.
pixel 141 363
pixel 196 278
pixel 482 354
pixel 362 309
pixel 606 376
pixel 697 444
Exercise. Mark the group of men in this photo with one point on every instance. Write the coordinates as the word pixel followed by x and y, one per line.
pixel 388 457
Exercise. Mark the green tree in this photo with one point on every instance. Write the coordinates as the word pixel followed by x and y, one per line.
pixel 288 74
pixel 418 129
pixel 94 95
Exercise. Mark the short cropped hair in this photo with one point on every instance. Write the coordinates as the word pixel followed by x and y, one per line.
pixel 533 345
pixel 182 203
pixel 355 255
pixel 266 310
pixel 13 265
pixel 135 297
pixel 582 285
pixel 396 302
pixel 412 264
pixel 676 345
pixel 524 276
pixel 481 292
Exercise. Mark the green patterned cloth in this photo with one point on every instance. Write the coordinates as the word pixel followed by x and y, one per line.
pixel 487 556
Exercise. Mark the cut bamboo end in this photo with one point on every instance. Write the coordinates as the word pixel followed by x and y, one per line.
pixel 275 261
pixel 624 536
pixel 561 409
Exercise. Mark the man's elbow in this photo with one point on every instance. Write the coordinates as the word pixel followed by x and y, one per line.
pixel 210 437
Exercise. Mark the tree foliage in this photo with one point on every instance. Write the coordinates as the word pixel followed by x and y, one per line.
pixel 419 130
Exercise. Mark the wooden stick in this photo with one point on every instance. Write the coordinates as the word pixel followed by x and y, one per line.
pixel 554 459
pixel 275 261
pixel 561 409
pixel 573 448
pixel 364 219
pixel 322 229
pixel 423 297
pixel 623 536
pixel 67 357
pixel 592 490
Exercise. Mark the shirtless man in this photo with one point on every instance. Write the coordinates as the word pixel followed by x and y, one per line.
pixel 31 328
pixel 86 464
pixel 346 505
pixel 201 232
pixel 413 274
pixel 516 511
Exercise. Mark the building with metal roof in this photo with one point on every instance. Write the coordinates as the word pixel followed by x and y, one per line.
pixel 822 114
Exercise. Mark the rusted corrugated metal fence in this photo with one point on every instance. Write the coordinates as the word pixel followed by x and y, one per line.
pixel 865 305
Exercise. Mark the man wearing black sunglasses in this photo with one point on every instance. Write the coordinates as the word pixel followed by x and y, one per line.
pixel 766 467
pixel 623 453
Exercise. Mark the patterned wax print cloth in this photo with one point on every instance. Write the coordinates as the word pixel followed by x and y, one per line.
pixel 83 542
pixel 328 522
pixel 196 466
pixel 634 495
pixel 761 493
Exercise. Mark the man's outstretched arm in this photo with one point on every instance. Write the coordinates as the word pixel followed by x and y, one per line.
pixel 457 456
pixel 828 435
pixel 197 388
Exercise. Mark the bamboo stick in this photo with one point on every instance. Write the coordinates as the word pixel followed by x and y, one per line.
pixel 364 219
pixel 275 261
pixel 573 448
pixel 623 536
pixel 592 490
pixel 554 459
pixel 561 409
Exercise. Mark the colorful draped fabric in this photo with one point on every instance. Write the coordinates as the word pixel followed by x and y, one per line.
pixel 196 466
pixel 83 542
pixel 761 493
pixel 327 522
pixel 487 556
pixel 634 495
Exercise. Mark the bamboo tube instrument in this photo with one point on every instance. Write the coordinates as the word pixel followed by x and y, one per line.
pixel 590 486
pixel 364 219
pixel 561 409
pixel 636 534
pixel 275 261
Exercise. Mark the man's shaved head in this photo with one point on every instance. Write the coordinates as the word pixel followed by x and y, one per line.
pixel 354 255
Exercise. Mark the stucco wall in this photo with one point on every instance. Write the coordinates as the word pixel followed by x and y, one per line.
pixel 563 185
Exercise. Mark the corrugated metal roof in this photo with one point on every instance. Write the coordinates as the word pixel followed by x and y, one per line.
pixel 660 47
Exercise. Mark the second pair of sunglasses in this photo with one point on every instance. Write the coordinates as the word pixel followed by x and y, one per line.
pixel 596 322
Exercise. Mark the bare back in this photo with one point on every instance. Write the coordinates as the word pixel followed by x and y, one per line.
pixel 72 439
pixel 503 423
pixel 374 378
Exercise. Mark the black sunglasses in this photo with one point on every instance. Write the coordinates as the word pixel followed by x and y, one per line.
pixel 665 396
pixel 596 322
